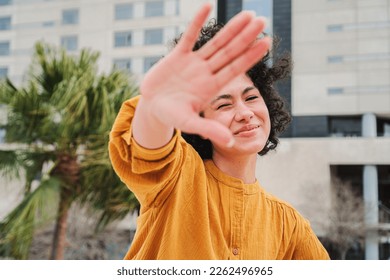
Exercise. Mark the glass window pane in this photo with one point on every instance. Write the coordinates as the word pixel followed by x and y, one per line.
pixel 335 28
pixel 69 43
pixel 5 2
pixel 335 59
pixel 123 39
pixel 48 24
pixel 335 90
pixel 123 64
pixel 177 7
pixel 149 61
pixel 4 48
pixel 153 36
pixel 261 8
pixel 5 23
pixel 2 135
pixel 154 8
pixel 70 16
pixel 3 72
pixel 123 11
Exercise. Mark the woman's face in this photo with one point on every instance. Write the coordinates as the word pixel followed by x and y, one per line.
pixel 240 107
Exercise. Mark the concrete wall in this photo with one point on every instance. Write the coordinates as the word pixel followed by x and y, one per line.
pixel 345 45
pixel 299 171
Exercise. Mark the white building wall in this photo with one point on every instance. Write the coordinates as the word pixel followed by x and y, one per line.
pixel 299 171
pixel 345 45
pixel 95 29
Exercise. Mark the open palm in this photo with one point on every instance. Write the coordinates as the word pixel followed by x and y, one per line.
pixel 185 81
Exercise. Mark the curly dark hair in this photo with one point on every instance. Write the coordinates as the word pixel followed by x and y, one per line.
pixel 263 75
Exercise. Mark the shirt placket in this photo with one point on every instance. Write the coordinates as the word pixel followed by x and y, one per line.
pixel 237 215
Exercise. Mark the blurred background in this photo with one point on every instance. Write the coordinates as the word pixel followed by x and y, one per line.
pixel 67 65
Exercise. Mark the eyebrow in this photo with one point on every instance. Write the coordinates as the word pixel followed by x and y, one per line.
pixel 229 96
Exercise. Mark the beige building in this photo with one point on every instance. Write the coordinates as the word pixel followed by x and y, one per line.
pixel 340 101
pixel 131 34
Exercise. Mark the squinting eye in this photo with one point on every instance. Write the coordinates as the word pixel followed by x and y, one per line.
pixel 252 98
pixel 222 106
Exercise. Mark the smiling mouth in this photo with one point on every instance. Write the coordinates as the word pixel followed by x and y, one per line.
pixel 246 128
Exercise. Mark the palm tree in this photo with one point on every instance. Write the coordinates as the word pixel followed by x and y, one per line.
pixel 59 125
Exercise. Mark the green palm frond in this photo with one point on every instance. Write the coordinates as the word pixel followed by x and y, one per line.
pixel 104 191
pixel 28 161
pixel 51 66
pixel 6 90
pixel 62 115
pixel 33 164
pixel 26 112
pixel 16 231
pixel 11 164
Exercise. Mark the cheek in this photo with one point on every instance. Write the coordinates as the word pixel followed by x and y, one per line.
pixel 262 112
pixel 265 118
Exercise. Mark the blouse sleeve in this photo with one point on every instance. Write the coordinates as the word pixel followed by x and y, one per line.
pixel 308 246
pixel 147 173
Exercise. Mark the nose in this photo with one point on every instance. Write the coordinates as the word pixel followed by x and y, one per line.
pixel 243 113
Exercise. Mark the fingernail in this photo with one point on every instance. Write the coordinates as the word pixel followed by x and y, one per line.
pixel 231 143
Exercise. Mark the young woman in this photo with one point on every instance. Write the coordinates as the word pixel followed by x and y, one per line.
pixel 199 197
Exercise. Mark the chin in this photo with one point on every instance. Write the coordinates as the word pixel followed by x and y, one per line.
pixel 250 150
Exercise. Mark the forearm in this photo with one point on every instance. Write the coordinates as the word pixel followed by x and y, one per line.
pixel 148 131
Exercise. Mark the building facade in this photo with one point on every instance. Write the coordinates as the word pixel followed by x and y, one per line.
pixel 339 97
pixel 130 34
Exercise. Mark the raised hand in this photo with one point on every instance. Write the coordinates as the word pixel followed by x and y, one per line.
pixel 180 85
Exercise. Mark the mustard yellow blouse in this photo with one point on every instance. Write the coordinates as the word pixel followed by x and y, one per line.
pixel 192 210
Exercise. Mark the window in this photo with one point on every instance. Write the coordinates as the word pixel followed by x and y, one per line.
pixel 123 64
pixel 48 24
pixel 154 8
pixel 383 127
pixel 2 135
pixel 69 43
pixel 123 39
pixel 5 2
pixel 335 28
pixel 70 16
pixel 3 72
pixel 345 126
pixel 335 90
pixel 149 61
pixel 335 59
pixel 261 8
pixel 153 36
pixel 4 48
pixel 5 23
pixel 177 7
pixel 123 11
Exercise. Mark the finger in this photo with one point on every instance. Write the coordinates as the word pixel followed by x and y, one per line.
pixel 236 46
pixel 244 62
pixel 210 129
pixel 227 33
pixel 190 36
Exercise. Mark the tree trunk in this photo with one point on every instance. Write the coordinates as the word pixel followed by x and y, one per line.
pixel 68 170
pixel 59 237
